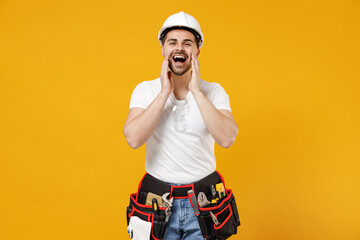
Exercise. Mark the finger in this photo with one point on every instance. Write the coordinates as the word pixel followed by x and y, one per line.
pixel 194 56
pixel 165 66
pixel 167 63
pixel 197 62
pixel 169 75
pixel 193 63
pixel 167 60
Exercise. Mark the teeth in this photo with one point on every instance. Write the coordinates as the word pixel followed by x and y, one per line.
pixel 179 57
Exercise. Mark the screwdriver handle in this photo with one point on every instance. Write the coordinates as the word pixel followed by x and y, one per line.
pixel 155 205
pixel 193 202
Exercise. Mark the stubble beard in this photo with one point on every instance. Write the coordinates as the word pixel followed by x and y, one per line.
pixel 179 71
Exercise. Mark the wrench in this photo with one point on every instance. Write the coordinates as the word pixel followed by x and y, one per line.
pixel 167 214
pixel 167 202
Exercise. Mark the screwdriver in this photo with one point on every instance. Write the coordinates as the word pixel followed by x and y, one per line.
pixel 155 205
pixel 193 201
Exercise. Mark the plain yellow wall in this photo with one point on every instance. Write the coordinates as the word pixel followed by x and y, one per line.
pixel 67 71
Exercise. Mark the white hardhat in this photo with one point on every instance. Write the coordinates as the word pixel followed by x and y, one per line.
pixel 182 20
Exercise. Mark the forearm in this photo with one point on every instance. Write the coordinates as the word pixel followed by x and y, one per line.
pixel 139 129
pixel 221 127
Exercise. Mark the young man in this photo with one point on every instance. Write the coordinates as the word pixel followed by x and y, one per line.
pixel 179 116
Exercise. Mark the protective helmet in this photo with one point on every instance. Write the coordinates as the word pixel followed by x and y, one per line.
pixel 182 20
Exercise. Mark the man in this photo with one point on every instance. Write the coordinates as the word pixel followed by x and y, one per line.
pixel 179 116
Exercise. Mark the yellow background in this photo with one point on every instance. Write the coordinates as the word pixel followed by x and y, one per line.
pixel 67 71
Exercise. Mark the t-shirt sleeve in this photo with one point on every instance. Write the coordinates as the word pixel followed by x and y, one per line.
pixel 220 99
pixel 140 96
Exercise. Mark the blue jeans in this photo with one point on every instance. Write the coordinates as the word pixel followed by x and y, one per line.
pixel 183 223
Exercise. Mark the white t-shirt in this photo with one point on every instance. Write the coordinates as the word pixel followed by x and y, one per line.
pixel 180 150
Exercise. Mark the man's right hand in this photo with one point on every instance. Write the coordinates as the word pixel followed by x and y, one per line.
pixel 167 84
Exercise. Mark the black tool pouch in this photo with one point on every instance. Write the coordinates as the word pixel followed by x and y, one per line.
pixel 146 213
pixel 227 215
pixel 225 209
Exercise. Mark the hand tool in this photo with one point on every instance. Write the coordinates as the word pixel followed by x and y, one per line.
pixel 167 214
pixel 202 200
pixel 213 192
pixel 167 202
pixel 193 201
pixel 155 206
pixel 220 190
pixel 213 217
pixel 214 197
pixel 150 196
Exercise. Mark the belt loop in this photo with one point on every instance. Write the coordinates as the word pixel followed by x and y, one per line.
pixel 140 186
pixel 182 195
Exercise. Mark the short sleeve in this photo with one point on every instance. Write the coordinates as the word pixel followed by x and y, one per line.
pixel 219 97
pixel 139 97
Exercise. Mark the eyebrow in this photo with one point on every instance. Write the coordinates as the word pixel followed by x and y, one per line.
pixel 185 40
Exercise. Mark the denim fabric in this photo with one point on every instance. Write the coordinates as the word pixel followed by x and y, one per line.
pixel 183 223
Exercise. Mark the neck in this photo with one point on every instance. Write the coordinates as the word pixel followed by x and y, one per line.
pixel 181 87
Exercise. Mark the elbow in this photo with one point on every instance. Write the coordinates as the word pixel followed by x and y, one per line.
pixel 132 141
pixel 227 143
pixel 228 139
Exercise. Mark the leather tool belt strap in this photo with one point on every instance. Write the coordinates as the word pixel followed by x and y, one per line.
pixel 154 185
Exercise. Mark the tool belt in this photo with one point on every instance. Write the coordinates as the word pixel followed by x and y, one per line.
pixel 224 210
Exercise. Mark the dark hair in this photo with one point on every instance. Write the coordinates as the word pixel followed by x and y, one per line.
pixel 196 35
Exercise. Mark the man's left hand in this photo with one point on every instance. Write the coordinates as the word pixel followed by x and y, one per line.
pixel 194 84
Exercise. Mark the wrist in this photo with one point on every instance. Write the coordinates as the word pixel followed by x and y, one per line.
pixel 165 93
pixel 196 92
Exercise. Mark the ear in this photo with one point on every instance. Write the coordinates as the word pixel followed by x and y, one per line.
pixel 162 51
pixel 198 53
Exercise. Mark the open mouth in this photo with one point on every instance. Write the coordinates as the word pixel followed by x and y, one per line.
pixel 179 58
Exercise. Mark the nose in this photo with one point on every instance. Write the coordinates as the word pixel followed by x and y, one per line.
pixel 180 46
pixel 179 50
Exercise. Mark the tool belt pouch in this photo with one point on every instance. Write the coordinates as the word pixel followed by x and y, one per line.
pixel 227 215
pixel 146 213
